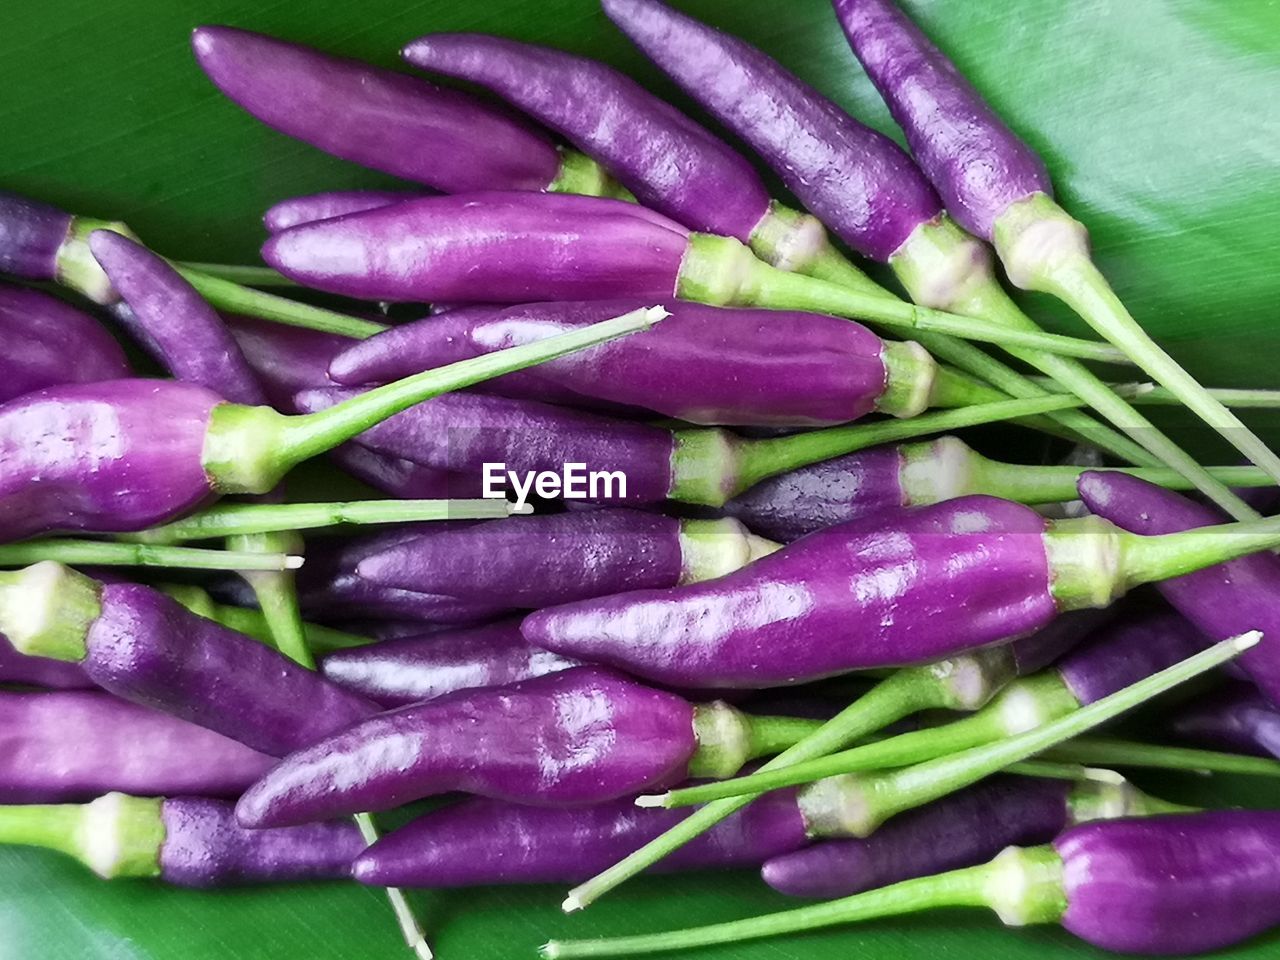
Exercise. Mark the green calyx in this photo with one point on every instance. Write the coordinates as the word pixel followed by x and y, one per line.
pixel 712 548
pixel 1085 560
pixel 46 610
pixel 114 836
pixel 910 374
pixel 796 242
pixel 727 738
pixel 250 449
pixel 76 266
pixel 1108 800
pixel 582 175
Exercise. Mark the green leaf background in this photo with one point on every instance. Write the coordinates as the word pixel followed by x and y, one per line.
pixel 1160 120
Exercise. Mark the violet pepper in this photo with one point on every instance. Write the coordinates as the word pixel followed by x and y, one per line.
pixel 129 454
pixel 49 342
pixel 579 736
pixel 72 745
pixel 184 841
pixel 1241 590
pixel 325 206
pixel 996 186
pixel 1236 717
pixel 872 195
pixel 799 502
pixel 756 367
pixel 387 121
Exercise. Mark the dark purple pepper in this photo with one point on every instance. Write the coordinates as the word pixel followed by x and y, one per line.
pixel 858 182
pixel 575 737
pixel 30 235
pixel 325 206
pixel 668 161
pixel 462 432
pixel 517 247
pixel 380 119
pixel 755 367
pixel 205 847
pixel 181 330
pixel 1172 885
pixel 1034 652
pixel 971 157
pixel 70 746
pixel 1241 594
pixel 413 669
pixel 1133 646
pixel 403 479
pixel 49 342
pixel 965 828
pixel 481 841
pixel 1237 717
pixel 286 359
pixel 21 670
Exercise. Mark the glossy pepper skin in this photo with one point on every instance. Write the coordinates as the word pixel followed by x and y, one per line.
pixel 481 841
pixel 1133 646
pixel 30 235
pixel 49 342
pixel 576 737
pixel 69 746
pixel 867 593
pixel 671 163
pixel 971 157
pixel 1172 885
pixel 377 118
pixel 856 180
pixel 413 669
pixel 461 432
pixel 204 847
pixel 1240 594
pixel 148 649
pixel 324 206
pixel 174 322
pixel 1236 717
pixel 957 831
pixel 516 247
pixel 538 561
pixel 96 457
pixel 755 367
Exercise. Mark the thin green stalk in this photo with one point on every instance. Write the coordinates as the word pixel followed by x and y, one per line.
pixel 235 298
pixel 768 735
pixel 1235 397
pixel 108 554
pixel 1050 483
pixel 1126 753
pixel 229 519
pixel 243 274
pixel 277 594
pixel 1150 559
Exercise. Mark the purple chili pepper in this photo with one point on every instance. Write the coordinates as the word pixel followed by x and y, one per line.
pixel 184 841
pixel 756 367
pixel 532 562
pixel 401 125
pixel 73 745
pixel 49 342
pixel 31 236
pixel 454 847
pixel 878 592
pixel 178 327
pixel 1240 591
pixel 1165 885
pixel 960 830
pixel 21 670
pixel 999 188
pixel 412 669
pixel 579 736
pixel 325 206
pixel 1236 717
pixel 145 647
pixel 128 454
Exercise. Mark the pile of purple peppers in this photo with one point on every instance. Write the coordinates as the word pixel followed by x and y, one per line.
pixel 762 579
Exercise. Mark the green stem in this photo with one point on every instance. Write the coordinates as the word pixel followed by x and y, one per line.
pixel 1150 559
pixel 836 269
pixel 1066 271
pixel 773 734
pixel 229 519
pixel 581 174
pixel 1036 699
pixel 906 692
pixel 1038 898
pixel 884 795
pixel 1239 398
pixel 1125 753
pixel 243 274
pixel 249 449
pixel 760 459
pixel 106 553
pixel 277 594
pixel 234 298
pixel 114 836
